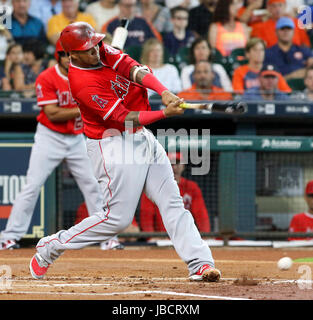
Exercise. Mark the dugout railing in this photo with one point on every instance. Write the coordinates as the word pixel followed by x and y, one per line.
pixel 254 186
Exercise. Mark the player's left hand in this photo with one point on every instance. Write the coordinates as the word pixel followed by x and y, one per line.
pixel 169 97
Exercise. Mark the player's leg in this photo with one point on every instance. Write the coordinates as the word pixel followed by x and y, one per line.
pixel 46 154
pixel 121 185
pixel 79 165
pixel 161 188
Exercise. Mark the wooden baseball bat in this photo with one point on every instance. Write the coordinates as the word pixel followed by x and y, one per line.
pixel 228 107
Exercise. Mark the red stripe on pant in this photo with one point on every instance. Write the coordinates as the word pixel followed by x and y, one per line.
pixel 108 206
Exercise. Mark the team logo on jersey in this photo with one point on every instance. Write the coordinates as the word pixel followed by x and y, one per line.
pixel 99 101
pixel 120 86
pixel 39 91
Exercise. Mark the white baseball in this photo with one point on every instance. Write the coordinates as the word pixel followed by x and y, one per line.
pixel 284 263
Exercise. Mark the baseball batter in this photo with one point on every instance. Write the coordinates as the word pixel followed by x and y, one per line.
pixel 58 136
pixel 110 89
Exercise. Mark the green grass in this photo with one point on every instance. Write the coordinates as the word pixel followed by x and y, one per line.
pixel 310 259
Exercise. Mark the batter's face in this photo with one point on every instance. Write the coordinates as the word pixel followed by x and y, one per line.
pixel 86 59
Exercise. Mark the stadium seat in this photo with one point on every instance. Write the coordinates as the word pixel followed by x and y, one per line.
pixel 183 54
pixel 238 57
pixel 296 84
pixel 217 57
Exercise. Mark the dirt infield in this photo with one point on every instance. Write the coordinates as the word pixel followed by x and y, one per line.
pixel 148 273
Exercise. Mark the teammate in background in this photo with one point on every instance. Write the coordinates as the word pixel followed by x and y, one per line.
pixel 110 88
pixel 58 137
pixel 303 222
pixel 150 218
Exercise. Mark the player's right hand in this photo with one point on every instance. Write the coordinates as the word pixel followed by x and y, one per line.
pixel 173 108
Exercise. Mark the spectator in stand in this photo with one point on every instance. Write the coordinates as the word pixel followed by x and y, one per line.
pixel 5 40
pixel 45 9
pixel 252 11
pixel 24 26
pixel 203 87
pixel 157 15
pixel 25 74
pixel 153 56
pixel 70 13
pixel 289 59
pixel 247 76
pixel 4 82
pixel 268 89
pixel 226 33
pixel 292 6
pixel 102 11
pixel 303 222
pixel 150 217
pixel 266 30
pixel 2 77
pixel 139 30
pixel 201 16
pixel 199 51
pixel 180 37
pixel 188 4
pixel 14 57
pixel 307 93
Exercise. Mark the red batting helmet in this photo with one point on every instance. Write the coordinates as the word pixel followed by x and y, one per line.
pixel 58 48
pixel 79 36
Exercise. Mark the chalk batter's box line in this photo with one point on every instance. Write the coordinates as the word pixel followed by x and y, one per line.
pixel 157 292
